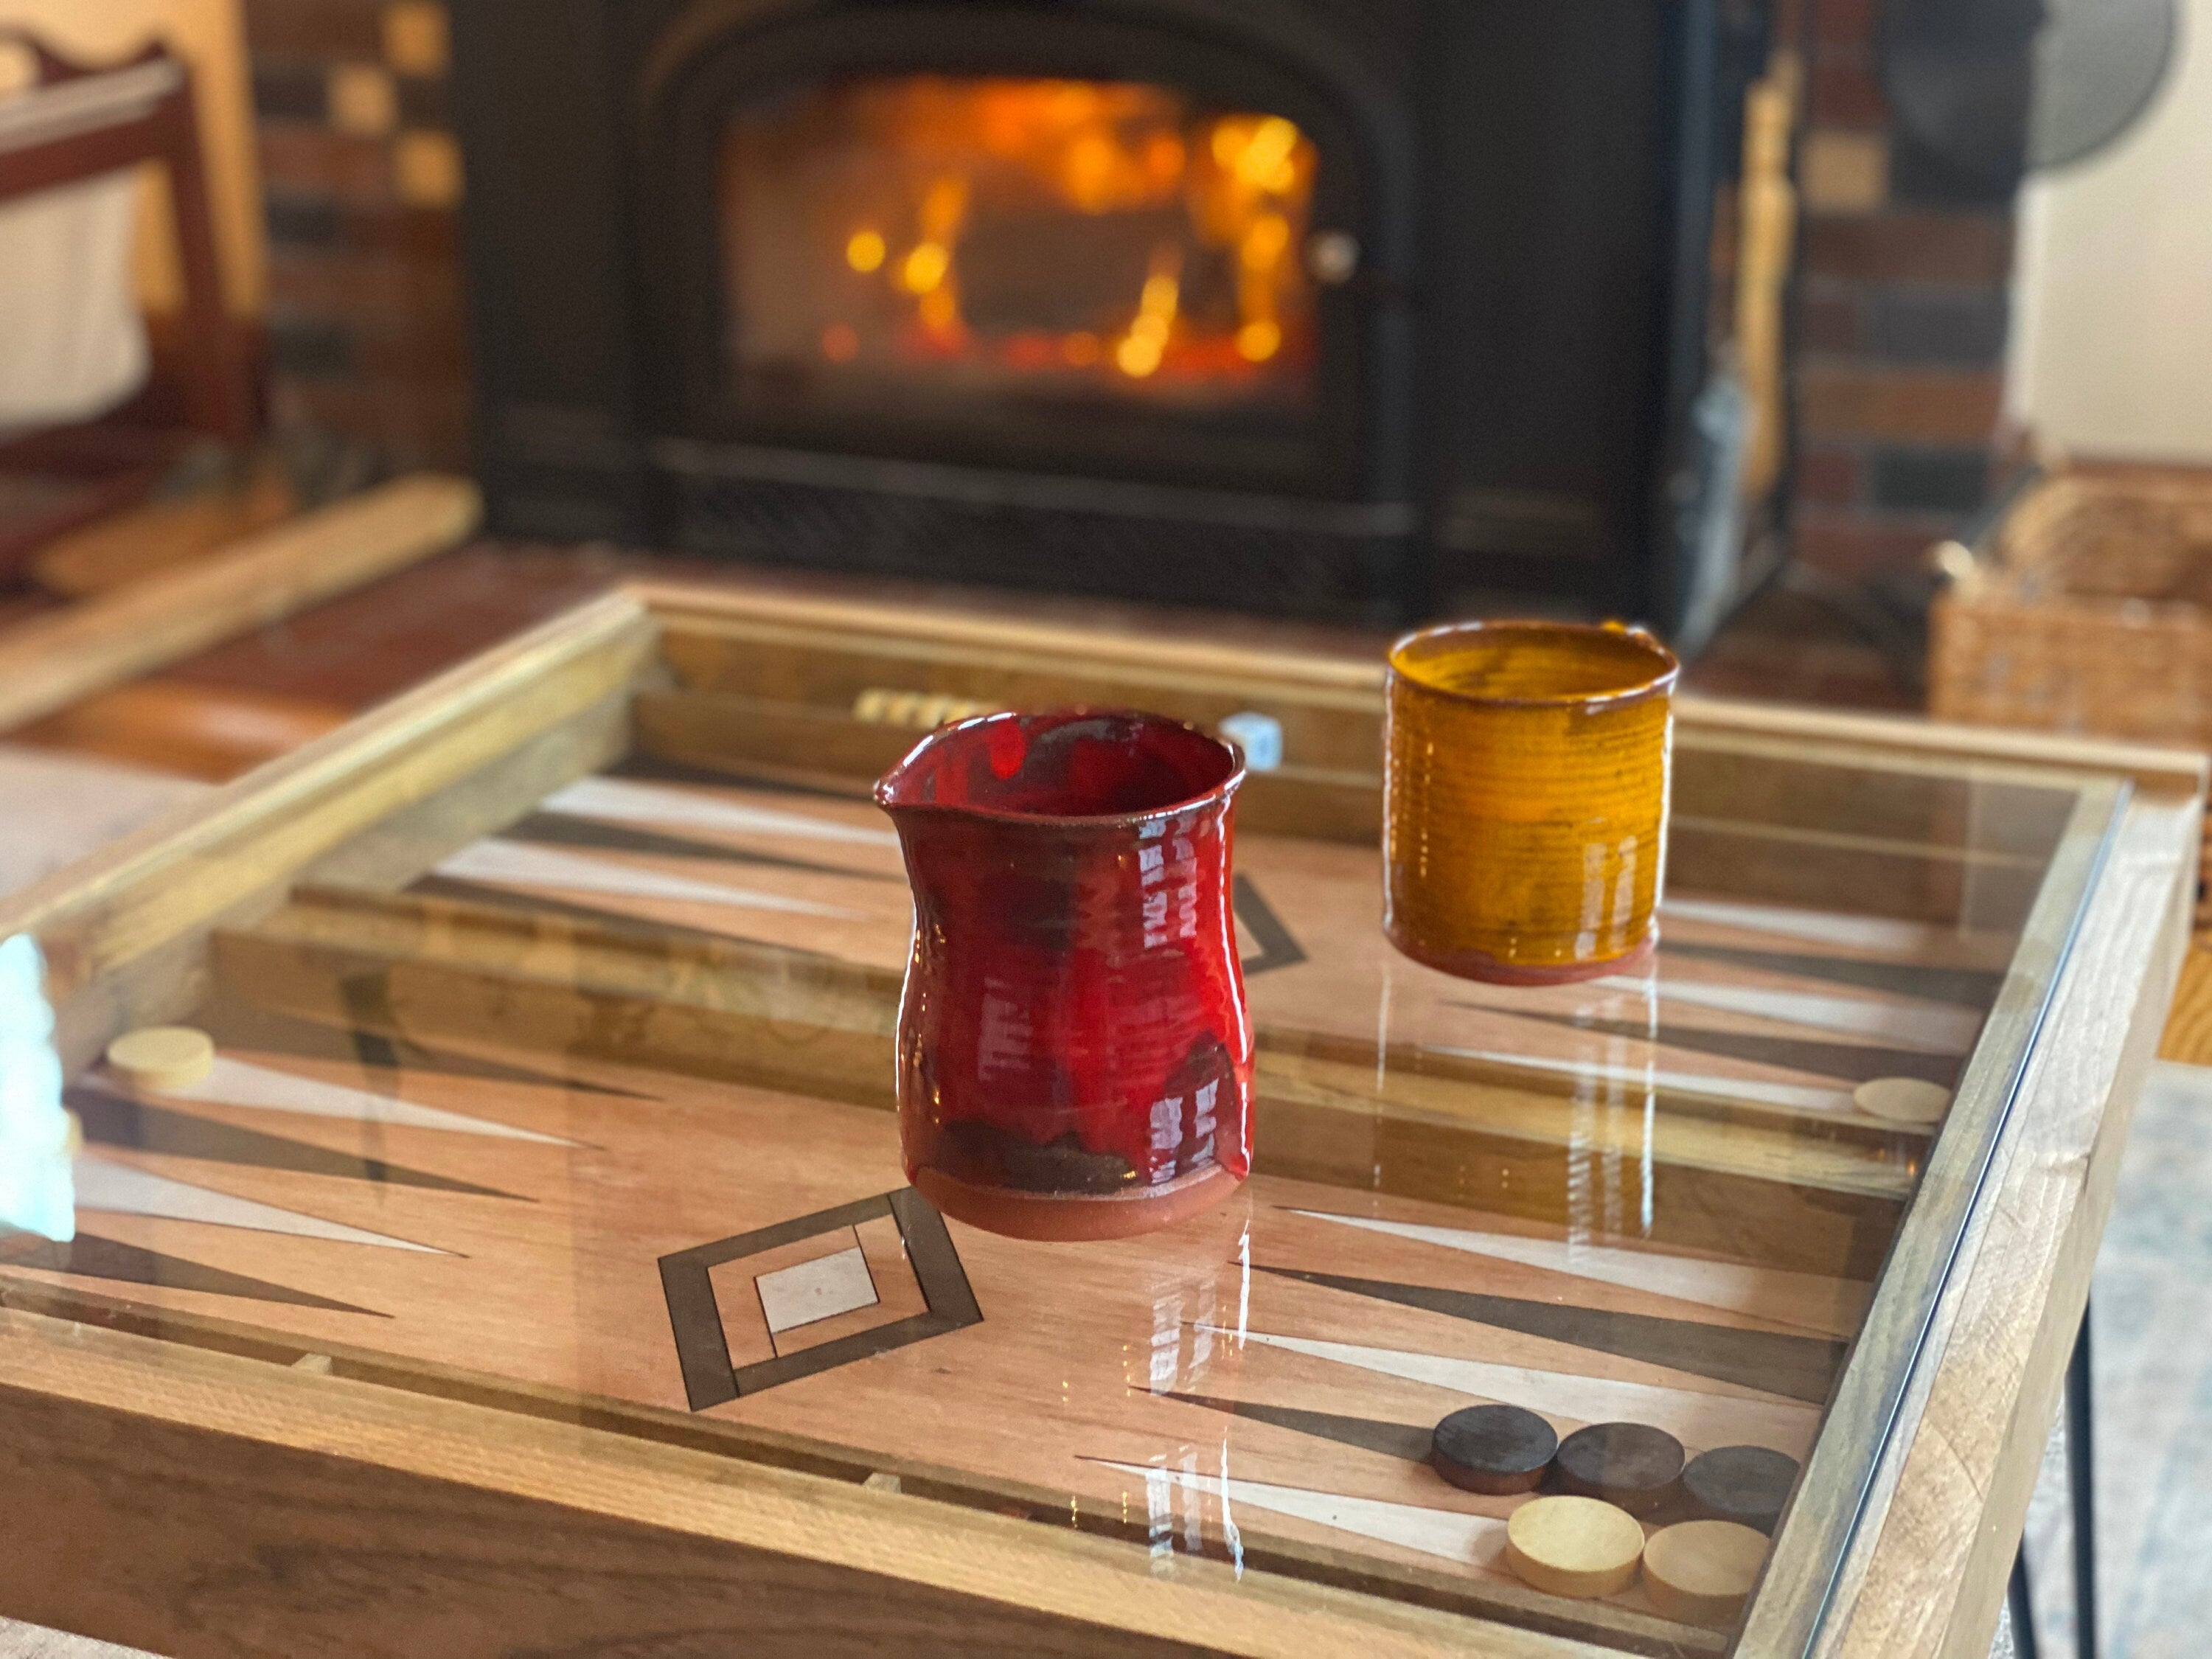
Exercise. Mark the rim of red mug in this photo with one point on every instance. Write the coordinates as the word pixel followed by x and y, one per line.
pixel 1662 681
pixel 1228 787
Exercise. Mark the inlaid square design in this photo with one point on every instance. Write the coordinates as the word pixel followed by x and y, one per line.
pixel 812 1294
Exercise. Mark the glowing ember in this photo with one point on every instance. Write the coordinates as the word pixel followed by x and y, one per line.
pixel 863 250
pixel 1077 232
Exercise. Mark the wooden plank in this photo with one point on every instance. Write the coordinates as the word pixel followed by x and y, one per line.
pixel 719 1008
pixel 54 659
pixel 686 1012
pixel 1816 792
pixel 129 546
pixel 790 743
pixel 1900 820
pixel 276 1483
pixel 1322 984
pixel 398 846
pixel 701 610
pixel 778 742
pixel 2007 1335
pixel 709 857
pixel 1958 746
pixel 1922 840
pixel 1771 1199
pixel 841 673
pixel 693 610
pixel 802 999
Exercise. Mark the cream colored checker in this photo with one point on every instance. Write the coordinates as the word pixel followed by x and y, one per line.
pixel 820 1289
pixel 1578 1546
pixel 1700 1571
pixel 1903 1099
pixel 159 1057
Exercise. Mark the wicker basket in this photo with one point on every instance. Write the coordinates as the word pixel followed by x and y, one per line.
pixel 2086 607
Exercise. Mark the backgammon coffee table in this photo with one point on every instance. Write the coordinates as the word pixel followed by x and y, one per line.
pixel 534 1273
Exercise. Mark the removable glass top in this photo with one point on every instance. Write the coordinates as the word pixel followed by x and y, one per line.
pixel 595 1107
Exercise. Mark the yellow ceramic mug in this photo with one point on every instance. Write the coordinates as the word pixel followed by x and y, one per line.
pixel 1525 798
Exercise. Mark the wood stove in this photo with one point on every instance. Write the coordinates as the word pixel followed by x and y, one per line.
pixel 1340 307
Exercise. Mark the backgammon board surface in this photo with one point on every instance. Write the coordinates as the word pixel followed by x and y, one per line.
pixel 425 1178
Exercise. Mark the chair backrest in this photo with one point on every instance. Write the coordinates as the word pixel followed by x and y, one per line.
pixel 81 120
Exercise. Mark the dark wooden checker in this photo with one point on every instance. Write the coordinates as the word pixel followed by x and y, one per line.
pixel 1636 1467
pixel 1748 1485
pixel 548 1156
pixel 1497 1449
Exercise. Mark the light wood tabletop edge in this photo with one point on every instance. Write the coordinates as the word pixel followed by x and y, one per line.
pixel 232 853
pixel 1926 1570
pixel 869 1544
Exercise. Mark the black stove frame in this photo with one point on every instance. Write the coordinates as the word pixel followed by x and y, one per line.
pixel 1506 382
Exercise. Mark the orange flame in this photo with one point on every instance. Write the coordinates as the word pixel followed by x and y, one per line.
pixel 942 211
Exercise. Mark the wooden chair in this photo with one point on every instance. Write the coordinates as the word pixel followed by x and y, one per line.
pixel 78 122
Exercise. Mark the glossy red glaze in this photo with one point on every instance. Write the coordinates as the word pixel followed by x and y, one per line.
pixel 1075 1060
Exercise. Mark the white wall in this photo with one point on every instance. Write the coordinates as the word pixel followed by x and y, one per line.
pixel 2112 350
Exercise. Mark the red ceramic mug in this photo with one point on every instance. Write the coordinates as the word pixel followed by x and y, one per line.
pixel 1074 1056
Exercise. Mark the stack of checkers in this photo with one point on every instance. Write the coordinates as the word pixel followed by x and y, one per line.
pixel 1586 1536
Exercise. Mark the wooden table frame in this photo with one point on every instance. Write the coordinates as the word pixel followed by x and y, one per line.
pixel 252 1505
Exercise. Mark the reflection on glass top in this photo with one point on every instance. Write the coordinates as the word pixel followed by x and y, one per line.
pixel 595 1105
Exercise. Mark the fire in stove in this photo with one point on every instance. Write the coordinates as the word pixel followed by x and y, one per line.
pixel 1087 238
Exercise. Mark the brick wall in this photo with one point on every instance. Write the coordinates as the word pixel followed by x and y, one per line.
pixel 363 184
pixel 1901 321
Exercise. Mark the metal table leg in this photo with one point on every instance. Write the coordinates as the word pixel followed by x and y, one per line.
pixel 2080 1477
pixel 2081 1485
pixel 2023 1607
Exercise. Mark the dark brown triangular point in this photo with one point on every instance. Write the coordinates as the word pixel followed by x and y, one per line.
pixel 114 1121
pixel 620 921
pixel 1405 1440
pixel 558 829
pixel 1969 987
pixel 1279 946
pixel 1853 1062
pixel 652 768
pixel 1796 1367
pixel 87 1256
pixel 248 1026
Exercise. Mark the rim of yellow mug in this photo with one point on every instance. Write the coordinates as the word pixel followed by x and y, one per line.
pixel 1429 649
